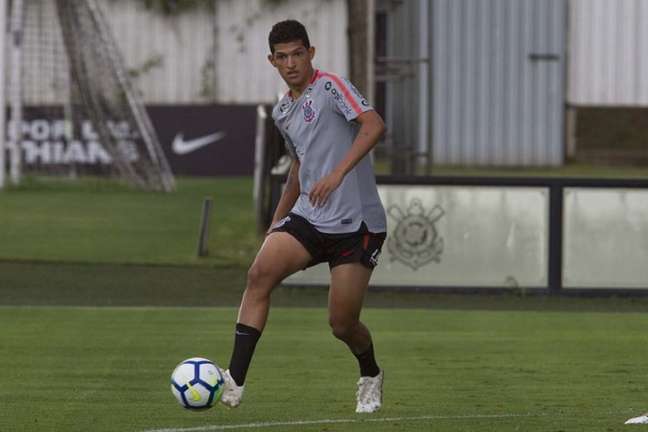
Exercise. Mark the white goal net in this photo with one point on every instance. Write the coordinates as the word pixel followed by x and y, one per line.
pixel 78 111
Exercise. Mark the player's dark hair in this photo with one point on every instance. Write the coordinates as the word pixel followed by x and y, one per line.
pixel 288 31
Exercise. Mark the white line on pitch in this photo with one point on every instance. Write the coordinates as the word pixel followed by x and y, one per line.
pixel 260 425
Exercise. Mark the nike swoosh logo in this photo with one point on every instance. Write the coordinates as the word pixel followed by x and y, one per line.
pixel 182 147
pixel 195 395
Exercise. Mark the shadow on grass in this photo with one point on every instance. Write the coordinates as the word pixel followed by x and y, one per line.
pixel 51 284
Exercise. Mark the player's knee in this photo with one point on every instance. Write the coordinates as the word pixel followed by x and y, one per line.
pixel 342 329
pixel 260 279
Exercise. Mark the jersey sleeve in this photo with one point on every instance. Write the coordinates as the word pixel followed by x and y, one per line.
pixel 346 99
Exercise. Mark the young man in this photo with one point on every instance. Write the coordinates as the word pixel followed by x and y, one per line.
pixel 330 210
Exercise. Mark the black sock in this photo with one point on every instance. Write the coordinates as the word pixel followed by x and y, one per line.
pixel 367 362
pixel 245 341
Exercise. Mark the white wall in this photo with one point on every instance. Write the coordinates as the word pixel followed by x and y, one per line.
pixel 608 52
pixel 183 43
pixel 237 46
pixel 202 57
pixel 243 71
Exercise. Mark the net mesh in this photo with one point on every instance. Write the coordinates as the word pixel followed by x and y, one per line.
pixel 81 113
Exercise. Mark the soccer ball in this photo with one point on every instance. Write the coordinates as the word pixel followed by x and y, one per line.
pixel 197 383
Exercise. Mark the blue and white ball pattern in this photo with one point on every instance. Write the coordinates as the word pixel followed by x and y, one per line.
pixel 197 383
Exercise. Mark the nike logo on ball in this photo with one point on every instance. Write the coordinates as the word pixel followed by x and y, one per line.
pixel 181 146
pixel 195 395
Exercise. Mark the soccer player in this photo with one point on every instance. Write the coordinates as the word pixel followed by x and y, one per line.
pixel 330 210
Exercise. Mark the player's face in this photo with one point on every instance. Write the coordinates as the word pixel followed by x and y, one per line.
pixel 293 61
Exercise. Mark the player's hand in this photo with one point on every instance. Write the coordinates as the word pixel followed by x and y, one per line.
pixel 321 191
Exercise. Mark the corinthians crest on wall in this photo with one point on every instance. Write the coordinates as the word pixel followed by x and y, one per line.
pixel 415 240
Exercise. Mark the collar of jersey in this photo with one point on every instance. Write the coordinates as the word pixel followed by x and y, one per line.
pixel 316 75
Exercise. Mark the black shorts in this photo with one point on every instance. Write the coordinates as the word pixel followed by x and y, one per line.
pixel 361 246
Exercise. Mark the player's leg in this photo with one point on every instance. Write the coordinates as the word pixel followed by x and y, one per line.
pixel 280 255
pixel 348 287
pixel 349 284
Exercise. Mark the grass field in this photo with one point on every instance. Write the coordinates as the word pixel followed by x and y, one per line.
pixel 107 369
pixel 92 221
pixel 101 295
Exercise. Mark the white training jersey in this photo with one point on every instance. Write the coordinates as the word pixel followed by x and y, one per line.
pixel 319 130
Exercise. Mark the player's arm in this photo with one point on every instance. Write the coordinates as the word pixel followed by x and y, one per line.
pixel 371 129
pixel 289 195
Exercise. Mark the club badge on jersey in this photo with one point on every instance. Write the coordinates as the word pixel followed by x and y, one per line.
pixel 309 111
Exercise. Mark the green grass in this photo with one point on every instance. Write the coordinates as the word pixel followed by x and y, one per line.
pixel 107 369
pixel 474 363
pixel 100 221
pixel 92 221
pixel 65 284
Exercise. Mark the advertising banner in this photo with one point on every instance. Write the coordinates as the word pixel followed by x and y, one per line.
pixel 198 140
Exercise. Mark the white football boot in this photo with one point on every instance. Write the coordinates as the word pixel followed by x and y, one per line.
pixel 232 393
pixel 642 419
pixel 370 392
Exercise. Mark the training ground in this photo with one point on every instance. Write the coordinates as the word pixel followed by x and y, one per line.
pixel 101 296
